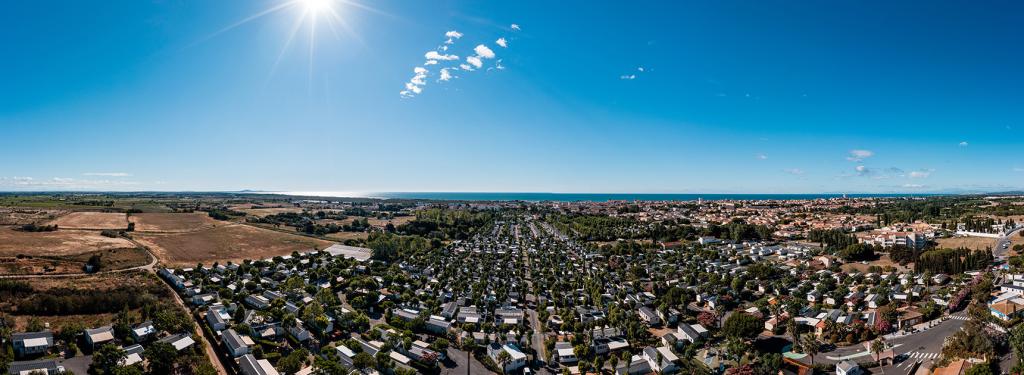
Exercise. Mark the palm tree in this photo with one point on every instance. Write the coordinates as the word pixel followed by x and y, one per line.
pixel 877 347
pixel 810 346
pixel 503 359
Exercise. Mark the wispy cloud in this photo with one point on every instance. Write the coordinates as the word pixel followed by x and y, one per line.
pixel 859 155
pixel 515 27
pixel 57 183
pixel 964 144
pixel 914 186
pixel 632 76
pixel 107 174
pixel 794 171
pixel 762 157
pixel 924 173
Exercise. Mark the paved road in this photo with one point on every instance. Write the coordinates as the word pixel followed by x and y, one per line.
pixel 999 250
pixel 925 345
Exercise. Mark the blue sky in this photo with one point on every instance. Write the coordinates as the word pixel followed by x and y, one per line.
pixel 733 96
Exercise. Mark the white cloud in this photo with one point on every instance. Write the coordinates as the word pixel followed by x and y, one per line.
pixel 628 76
pixel 445 75
pixel 913 186
pixel 762 157
pixel 858 155
pixel 416 83
pixel 434 55
pixel 515 27
pixel 107 174
pixel 466 67
pixel 964 144
pixel 453 34
pixel 862 170
pixel 794 171
pixel 924 173
pixel 1018 169
pixel 501 42
pixel 640 68
pixel 484 51
pixel 475 61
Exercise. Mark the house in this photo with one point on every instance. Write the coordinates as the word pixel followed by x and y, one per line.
pixel 45 366
pixel 217 318
pixel 687 333
pixel 848 368
pixel 252 366
pixel 667 364
pixel 179 341
pixel 908 319
pixel 649 316
pixel 1006 310
pixel 97 336
pixel 32 343
pixel 143 331
pixel 236 346
pixel 257 302
pixel 132 355
pixel 345 355
pixel 517 359
pixel 564 353
pixel 203 299
pixel 437 326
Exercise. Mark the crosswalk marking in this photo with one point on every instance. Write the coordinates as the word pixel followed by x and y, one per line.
pixel 959 317
pixel 920 355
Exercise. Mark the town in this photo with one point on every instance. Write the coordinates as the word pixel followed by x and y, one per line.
pixel 847 286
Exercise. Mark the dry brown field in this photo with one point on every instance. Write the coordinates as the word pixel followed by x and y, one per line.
pixel 59 243
pixel 20 216
pixel 112 259
pixel 232 242
pixel 174 222
pixel 261 212
pixel 974 243
pixel 92 220
pixel 342 236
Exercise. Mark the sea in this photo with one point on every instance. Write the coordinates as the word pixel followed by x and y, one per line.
pixel 585 197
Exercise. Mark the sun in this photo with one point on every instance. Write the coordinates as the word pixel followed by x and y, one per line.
pixel 315 7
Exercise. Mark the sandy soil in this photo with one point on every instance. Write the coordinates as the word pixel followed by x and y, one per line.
pixel 59 243
pixel 234 242
pixel 92 220
pixel 174 222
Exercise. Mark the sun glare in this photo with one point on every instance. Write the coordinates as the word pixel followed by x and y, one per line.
pixel 315 7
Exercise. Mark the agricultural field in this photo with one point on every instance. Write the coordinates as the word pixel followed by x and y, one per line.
pixel 21 216
pixel 92 220
pixel 261 212
pixel 396 221
pixel 58 243
pixel 112 259
pixel 173 222
pixel 342 236
pixel 232 242
pixel 973 243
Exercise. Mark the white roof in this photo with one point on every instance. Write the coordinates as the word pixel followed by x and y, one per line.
pixel 34 342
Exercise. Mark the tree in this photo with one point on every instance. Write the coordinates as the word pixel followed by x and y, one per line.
pixel 742 325
pixel 1017 343
pixel 364 360
pixel 293 362
pixel 877 347
pixel 161 357
pixel 106 359
pixel 810 346
pixel 503 359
